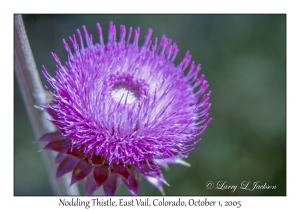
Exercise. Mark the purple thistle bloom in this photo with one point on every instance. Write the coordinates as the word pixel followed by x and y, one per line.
pixel 123 110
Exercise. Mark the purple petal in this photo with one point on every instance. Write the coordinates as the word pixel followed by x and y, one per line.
pixel 132 183
pixel 75 152
pixel 120 169
pixel 53 136
pixel 164 162
pixel 154 176
pixel 59 157
pixel 90 185
pixel 52 113
pixel 161 162
pixel 81 170
pixel 66 166
pixel 110 186
pixel 59 146
pixel 96 160
pixel 151 170
pixel 100 175
pixel 156 183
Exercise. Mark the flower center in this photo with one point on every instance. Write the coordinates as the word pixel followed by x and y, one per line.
pixel 125 89
pixel 124 93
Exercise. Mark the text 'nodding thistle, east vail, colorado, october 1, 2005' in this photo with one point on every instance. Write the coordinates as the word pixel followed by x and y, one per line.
pixel 137 202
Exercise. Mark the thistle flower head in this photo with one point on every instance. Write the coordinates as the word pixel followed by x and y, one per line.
pixel 123 110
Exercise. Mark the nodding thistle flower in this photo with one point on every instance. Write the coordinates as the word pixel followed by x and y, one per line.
pixel 123 111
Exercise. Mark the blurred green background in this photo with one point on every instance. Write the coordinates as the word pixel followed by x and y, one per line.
pixel 244 60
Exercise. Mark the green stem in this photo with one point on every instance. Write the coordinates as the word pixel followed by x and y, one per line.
pixel 33 94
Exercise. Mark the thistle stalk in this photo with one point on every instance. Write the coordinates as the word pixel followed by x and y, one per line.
pixel 33 94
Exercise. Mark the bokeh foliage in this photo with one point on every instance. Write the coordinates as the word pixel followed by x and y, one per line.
pixel 244 60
